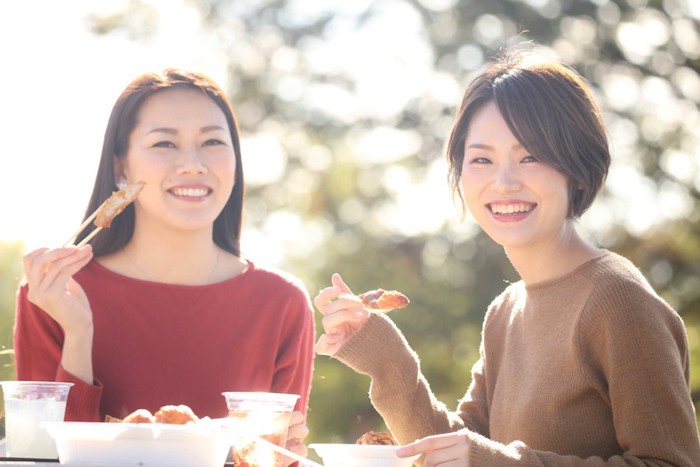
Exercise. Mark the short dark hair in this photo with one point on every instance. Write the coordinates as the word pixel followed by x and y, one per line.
pixel 122 121
pixel 550 110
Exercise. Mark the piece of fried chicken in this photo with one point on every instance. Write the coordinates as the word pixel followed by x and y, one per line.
pixel 175 415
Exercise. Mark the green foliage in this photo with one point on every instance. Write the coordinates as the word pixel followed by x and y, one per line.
pixel 10 274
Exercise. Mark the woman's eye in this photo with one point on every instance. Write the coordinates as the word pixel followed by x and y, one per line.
pixel 213 142
pixel 480 160
pixel 164 144
pixel 529 159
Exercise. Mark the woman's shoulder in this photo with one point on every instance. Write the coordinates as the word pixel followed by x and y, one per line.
pixel 506 303
pixel 621 294
pixel 265 272
pixel 614 277
pixel 611 267
pixel 260 275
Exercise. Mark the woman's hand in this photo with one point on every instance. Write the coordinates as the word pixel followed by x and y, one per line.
pixel 296 435
pixel 448 450
pixel 343 314
pixel 49 274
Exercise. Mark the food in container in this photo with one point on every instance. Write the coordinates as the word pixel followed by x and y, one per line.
pixel 361 455
pixel 203 444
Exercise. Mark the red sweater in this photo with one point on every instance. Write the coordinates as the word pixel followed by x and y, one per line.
pixel 158 344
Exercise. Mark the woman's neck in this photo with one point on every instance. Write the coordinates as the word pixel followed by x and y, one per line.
pixel 189 258
pixel 552 259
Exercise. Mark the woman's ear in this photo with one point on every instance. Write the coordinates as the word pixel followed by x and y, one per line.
pixel 119 174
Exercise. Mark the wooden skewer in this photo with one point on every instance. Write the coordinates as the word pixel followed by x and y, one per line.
pixel 82 226
pixel 87 239
pixel 121 199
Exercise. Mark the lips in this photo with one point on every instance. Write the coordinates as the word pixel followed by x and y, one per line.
pixel 190 191
pixel 518 208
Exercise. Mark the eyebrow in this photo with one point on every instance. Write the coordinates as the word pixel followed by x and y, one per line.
pixel 489 147
pixel 173 131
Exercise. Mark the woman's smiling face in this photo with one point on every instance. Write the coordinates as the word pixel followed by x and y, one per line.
pixel 181 147
pixel 517 200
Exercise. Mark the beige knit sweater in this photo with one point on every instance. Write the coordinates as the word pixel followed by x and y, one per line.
pixel 590 369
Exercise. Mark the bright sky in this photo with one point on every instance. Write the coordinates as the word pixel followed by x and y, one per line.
pixel 59 83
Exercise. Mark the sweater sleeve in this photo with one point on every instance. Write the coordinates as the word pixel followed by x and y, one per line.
pixel 398 390
pixel 633 349
pixel 295 357
pixel 38 344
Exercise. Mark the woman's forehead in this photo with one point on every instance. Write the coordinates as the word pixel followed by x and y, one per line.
pixel 173 108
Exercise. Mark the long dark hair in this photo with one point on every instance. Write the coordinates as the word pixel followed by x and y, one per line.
pixel 550 110
pixel 123 119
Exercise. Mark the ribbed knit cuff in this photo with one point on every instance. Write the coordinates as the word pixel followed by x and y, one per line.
pixel 485 452
pixel 83 399
pixel 378 349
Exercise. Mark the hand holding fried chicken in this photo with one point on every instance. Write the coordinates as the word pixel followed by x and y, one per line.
pixel 344 313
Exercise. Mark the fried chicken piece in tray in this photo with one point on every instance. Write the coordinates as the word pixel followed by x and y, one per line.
pixel 175 415
pixel 377 438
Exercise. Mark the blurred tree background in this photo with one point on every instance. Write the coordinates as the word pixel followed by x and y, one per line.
pixel 345 108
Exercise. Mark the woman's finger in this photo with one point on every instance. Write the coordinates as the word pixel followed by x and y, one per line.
pixel 296 418
pixel 432 443
pixel 323 347
pixel 342 303
pixel 29 258
pixel 35 263
pixel 353 318
pixel 337 281
pixel 297 432
pixel 325 296
pixel 329 344
pixel 38 262
pixel 61 270
pixel 36 266
pixel 456 455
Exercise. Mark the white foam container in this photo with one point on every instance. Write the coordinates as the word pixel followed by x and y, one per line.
pixel 143 444
pixel 361 455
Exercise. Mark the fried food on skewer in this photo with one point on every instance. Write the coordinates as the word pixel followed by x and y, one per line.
pixel 381 299
pixel 108 210
pixel 116 203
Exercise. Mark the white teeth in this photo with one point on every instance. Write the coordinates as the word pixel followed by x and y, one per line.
pixel 510 208
pixel 192 192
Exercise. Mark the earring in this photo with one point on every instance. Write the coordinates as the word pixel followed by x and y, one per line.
pixel 121 185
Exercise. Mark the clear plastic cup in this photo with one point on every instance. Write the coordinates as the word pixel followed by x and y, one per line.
pixel 27 404
pixel 263 414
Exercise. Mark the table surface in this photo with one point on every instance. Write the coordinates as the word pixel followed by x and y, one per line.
pixel 9 462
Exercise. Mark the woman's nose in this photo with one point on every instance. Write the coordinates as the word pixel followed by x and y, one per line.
pixel 507 180
pixel 191 161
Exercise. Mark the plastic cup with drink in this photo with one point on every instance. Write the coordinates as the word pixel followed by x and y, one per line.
pixel 259 414
pixel 27 404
